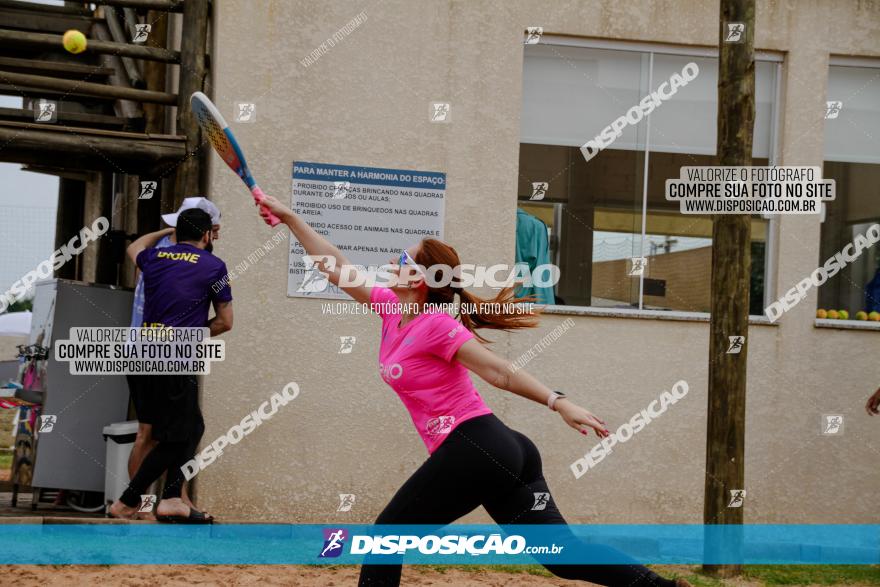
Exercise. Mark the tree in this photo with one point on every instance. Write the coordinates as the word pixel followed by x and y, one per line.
pixel 21 305
pixel 731 260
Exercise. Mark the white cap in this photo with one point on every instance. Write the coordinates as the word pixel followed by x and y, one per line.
pixel 197 202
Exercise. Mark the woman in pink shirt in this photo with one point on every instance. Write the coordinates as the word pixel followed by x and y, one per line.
pixel 425 355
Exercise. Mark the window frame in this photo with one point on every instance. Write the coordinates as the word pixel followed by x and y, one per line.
pixel 772 239
pixel 863 63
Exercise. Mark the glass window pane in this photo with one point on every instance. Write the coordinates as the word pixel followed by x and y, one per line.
pixel 852 132
pixel 687 123
pixel 679 246
pixel 683 133
pixel 852 159
pixel 592 210
pixel 571 93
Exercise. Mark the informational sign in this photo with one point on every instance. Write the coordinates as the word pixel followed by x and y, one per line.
pixel 371 214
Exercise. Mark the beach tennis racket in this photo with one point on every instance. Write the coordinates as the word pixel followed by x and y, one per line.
pixel 224 143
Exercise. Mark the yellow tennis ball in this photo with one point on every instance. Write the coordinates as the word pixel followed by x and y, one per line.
pixel 74 41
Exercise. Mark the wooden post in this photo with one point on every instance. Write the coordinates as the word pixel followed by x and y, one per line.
pixel 124 108
pixel 77 88
pixel 68 7
pixel 28 40
pixel 93 267
pixel 163 5
pixel 61 69
pixel 130 18
pixel 129 222
pixel 731 265
pixel 69 221
pixel 121 35
pixel 86 148
pixel 155 75
pixel 194 38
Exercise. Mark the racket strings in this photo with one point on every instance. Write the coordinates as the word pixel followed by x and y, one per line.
pixel 220 140
pixel 216 136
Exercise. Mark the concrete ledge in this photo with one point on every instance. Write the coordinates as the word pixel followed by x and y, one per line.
pixel 847 324
pixel 21 520
pixel 645 314
pixel 74 520
pixel 277 527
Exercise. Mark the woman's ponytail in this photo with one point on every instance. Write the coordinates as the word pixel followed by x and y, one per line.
pixel 503 312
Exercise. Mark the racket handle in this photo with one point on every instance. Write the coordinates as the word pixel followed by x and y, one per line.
pixel 258 195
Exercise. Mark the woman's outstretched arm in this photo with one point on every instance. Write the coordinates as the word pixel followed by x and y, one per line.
pixel 496 371
pixel 316 245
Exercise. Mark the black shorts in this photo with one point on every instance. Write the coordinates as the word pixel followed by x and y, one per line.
pixel 170 403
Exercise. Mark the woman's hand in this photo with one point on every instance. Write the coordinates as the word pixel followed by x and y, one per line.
pixel 271 204
pixel 580 419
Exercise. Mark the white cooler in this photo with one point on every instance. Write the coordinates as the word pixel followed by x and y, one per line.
pixel 120 440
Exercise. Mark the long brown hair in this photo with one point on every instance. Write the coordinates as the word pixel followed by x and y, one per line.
pixel 436 252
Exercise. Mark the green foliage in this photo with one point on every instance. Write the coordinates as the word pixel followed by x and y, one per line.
pixel 814 574
pixel 764 575
pixel 22 305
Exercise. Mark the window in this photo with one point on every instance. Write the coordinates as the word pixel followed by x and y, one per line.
pixel 604 212
pixel 852 159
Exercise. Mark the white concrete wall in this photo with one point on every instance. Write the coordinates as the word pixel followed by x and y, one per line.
pixel 365 103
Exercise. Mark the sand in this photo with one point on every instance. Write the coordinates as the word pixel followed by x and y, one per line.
pixel 249 575
pixel 292 575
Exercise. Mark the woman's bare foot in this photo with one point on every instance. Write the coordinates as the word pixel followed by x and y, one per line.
pixel 122 511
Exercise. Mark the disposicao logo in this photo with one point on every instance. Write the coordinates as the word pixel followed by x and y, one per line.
pixel 634 115
pixel 334 540
pixel 441 425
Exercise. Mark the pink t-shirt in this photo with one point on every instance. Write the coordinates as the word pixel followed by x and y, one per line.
pixel 416 361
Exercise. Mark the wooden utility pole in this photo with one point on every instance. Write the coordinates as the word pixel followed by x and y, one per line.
pixel 731 268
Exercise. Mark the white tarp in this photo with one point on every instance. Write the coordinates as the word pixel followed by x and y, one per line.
pixel 15 323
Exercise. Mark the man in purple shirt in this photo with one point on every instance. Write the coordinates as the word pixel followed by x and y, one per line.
pixel 181 283
pixel 140 385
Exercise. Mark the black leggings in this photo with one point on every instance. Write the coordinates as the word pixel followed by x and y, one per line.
pixel 173 404
pixel 166 456
pixel 483 462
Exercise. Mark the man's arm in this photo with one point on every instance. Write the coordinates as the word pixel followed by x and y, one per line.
pixel 148 240
pixel 222 321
